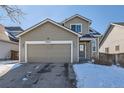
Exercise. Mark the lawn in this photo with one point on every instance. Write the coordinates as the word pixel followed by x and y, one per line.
pixel 98 76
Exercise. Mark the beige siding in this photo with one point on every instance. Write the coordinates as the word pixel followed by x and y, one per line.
pixel 85 24
pixel 85 30
pixel 3 34
pixel 5 49
pixel 54 33
pixel 115 38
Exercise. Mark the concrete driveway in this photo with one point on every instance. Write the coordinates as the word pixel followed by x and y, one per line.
pixel 37 76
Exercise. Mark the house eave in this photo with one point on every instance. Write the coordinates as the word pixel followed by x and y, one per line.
pixel 97 35
pixel 77 15
pixel 86 39
pixel 9 41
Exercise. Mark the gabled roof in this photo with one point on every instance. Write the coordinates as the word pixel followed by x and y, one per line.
pixel 94 32
pixel 12 31
pixel 110 27
pixel 5 36
pixel 11 37
pixel 119 23
pixel 88 36
pixel 44 21
pixel 77 15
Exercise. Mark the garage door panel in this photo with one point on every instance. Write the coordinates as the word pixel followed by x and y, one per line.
pixel 49 53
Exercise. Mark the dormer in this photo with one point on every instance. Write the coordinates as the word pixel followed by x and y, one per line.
pixel 78 24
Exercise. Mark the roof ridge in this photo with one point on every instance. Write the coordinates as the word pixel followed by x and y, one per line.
pixel 76 15
pixel 48 20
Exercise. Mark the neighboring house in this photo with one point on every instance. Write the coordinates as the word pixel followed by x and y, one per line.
pixel 68 41
pixel 13 31
pixel 113 39
pixel 8 41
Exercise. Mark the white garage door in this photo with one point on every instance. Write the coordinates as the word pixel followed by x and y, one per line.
pixel 49 53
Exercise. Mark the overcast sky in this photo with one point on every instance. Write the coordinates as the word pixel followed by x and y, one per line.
pixel 101 16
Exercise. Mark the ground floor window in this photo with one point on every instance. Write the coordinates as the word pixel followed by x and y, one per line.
pixel 117 48
pixel 107 50
pixel 82 51
pixel 81 47
pixel 94 45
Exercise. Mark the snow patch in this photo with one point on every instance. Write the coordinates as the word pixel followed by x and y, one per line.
pixel 4 68
pixel 16 66
pixel 8 62
pixel 25 79
pixel 91 75
pixel 11 66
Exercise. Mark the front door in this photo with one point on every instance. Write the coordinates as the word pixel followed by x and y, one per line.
pixel 82 51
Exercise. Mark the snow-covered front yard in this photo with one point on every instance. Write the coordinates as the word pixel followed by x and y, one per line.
pixel 92 75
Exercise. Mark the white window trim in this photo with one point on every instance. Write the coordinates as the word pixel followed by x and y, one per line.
pixel 77 24
pixel 95 46
pixel 81 47
pixel 48 42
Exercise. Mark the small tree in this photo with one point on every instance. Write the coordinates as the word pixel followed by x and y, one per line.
pixel 13 12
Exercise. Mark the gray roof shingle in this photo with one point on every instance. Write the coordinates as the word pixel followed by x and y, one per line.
pixel 13 31
pixel 94 32
pixel 88 36
pixel 14 28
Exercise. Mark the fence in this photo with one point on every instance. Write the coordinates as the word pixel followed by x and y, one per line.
pixel 109 59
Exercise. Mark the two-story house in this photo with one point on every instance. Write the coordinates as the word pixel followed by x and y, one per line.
pixel 71 40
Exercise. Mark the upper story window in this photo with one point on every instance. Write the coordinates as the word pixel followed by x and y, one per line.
pixel 76 27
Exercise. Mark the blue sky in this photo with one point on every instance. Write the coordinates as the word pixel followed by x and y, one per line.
pixel 101 16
